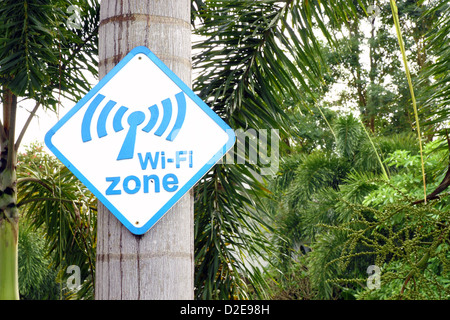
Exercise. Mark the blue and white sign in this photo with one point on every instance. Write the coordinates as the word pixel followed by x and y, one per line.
pixel 140 139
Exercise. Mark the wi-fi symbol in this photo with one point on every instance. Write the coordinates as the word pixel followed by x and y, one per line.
pixel 134 119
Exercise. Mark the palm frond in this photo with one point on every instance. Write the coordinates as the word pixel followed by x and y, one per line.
pixel 57 204
pixel 255 61
pixel 41 54
pixel 436 96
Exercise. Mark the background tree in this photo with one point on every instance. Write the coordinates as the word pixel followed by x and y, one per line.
pixel 435 75
pixel 257 62
pixel 61 212
pixel 352 217
pixel 40 55
pixel 365 64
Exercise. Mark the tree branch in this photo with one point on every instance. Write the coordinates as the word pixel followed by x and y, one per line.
pixel 76 51
pixel 2 132
pixel 9 128
pixel 442 186
pixel 38 199
pixel 22 180
pixel 25 127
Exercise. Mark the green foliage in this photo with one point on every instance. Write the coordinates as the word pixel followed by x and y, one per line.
pixel 366 220
pixel 40 53
pixel 408 241
pixel 310 129
pixel 293 284
pixel 43 57
pixel 352 218
pixel 228 236
pixel 436 92
pixel 349 135
pixel 56 204
pixel 257 62
pixel 37 280
pixel 317 170
pixel 260 65
pixel 27 38
pixel 365 64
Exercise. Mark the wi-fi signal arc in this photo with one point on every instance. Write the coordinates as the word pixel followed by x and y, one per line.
pixel 101 124
pixel 167 109
pixel 154 115
pixel 87 119
pixel 181 102
pixel 135 119
pixel 117 121
pixel 167 115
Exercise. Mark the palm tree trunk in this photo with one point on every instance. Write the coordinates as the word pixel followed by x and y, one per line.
pixel 9 284
pixel 158 264
pixel 9 214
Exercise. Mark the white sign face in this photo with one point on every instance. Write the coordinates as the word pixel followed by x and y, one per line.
pixel 140 139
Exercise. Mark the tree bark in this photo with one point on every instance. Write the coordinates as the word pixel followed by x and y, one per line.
pixel 9 278
pixel 160 263
pixel 9 214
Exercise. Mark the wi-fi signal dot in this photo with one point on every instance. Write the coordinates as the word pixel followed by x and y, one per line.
pixel 135 119
pixel 127 150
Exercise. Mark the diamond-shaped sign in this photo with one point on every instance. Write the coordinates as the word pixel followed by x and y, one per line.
pixel 140 139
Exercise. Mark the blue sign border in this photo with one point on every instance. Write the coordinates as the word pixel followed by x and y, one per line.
pixel 220 153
